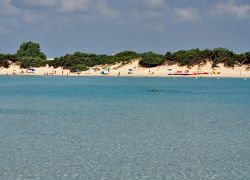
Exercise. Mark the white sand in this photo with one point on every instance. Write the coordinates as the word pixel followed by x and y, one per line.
pixel 160 71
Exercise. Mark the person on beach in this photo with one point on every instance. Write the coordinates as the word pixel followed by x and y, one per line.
pixel 119 73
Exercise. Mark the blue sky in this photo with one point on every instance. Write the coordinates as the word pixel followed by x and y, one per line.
pixel 109 26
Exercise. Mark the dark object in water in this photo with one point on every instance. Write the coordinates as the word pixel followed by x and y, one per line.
pixel 155 90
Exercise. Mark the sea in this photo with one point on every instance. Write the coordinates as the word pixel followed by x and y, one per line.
pixel 112 128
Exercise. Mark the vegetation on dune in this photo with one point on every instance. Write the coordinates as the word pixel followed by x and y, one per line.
pixel 186 57
pixel 125 56
pixel 29 55
pixel 246 58
pixel 4 63
pixel 78 68
pixel 151 59
pixel 91 60
pixel 70 60
pixel 198 57
pixel 224 56
pixel 30 49
pixel 5 59
pixel 28 62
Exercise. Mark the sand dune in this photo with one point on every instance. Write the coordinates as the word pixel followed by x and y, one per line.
pixel 132 69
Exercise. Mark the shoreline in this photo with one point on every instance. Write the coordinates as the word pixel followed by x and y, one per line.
pixel 133 69
pixel 134 76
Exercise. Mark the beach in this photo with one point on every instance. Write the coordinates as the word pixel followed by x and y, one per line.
pixel 124 90
pixel 133 69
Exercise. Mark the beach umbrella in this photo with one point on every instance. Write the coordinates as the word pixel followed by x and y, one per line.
pixel 130 69
pixel 102 72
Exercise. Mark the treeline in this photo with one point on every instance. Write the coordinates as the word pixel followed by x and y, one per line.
pixel 189 58
pixel 215 56
pixel 29 55
pixel 81 61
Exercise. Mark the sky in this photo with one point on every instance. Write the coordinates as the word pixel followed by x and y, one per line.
pixel 111 26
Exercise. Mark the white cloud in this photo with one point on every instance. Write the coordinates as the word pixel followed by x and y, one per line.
pixel 104 9
pixel 49 14
pixel 7 8
pixel 73 5
pixel 65 6
pixel 155 3
pixel 230 7
pixel 31 17
pixel 45 3
pixel 189 14
pixel 138 14
pixel 14 16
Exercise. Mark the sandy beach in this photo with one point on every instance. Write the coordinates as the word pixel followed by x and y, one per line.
pixel 133 69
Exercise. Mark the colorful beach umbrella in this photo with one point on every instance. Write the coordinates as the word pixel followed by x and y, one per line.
pixel 102 72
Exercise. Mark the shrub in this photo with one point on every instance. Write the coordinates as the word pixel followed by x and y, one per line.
pixel 4 63
pixel 32 62
pixel 78 67
pixel 30 49
pixel 151 59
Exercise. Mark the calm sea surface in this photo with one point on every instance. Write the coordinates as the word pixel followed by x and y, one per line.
pixel 117 128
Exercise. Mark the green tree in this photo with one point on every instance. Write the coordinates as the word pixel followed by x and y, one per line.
pixel 186 57
pixel 5 60
pixel 126 56
pixel 89 60
pixel 78 68
pixel 151 59
pixel 9 57
pixel 246 58
pixel 4 63
pixel 223 55
pixel 30 49
pixel 28 62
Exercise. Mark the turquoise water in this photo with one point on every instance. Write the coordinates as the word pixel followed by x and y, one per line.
pixel 116 128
